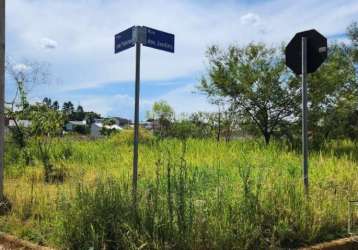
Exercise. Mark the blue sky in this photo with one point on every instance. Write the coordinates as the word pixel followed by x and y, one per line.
pixel 77 38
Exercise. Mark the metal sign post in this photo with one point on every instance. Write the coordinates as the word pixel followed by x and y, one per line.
pixel 304 54
pixel 2 95
pixel 304 114
pixel 136 122
pixel 135 36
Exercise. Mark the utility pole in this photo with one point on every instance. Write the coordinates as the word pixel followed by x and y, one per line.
pixel 2 95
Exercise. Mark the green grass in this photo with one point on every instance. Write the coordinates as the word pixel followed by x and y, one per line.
pixel 197 194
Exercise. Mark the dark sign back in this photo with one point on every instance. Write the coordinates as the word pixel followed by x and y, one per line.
pixel 316 51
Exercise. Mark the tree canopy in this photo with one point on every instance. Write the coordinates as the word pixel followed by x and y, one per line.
pixel 265 94
pixel 256 82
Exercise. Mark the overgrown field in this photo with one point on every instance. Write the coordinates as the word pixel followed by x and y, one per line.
pixel 194 194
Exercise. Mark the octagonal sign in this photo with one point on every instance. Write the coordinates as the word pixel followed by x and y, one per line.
pixel 316 51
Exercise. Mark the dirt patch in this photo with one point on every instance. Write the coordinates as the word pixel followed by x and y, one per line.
pixel 9 242
pixel 341 244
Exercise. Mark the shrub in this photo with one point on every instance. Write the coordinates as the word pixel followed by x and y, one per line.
pixel 99 217
pixel 126 137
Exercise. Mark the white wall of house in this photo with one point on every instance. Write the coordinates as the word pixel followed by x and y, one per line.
pixel 96 128
pixel 70 126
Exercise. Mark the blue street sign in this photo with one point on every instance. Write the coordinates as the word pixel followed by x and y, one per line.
pixel 123 40
pixel 159 40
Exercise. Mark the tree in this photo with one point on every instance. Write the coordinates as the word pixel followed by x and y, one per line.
pixel 333 92
pixel 79 109
pixel 91 116
pixel 79 114
pixel 203 124
pixel 225 119
pixel 106 130
pixel 163 113
pixel 47 101
pixel 352 31
pixel 256 82
pixel 24 76
pixel 68 109
pixel 55 105
pixel 46 123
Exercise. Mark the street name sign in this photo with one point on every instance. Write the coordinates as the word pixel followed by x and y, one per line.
pixel 148 37
pixel 316 51
pixel 124 40
pixel 159 40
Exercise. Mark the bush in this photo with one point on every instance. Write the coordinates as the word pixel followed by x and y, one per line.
pixel 126 137
pixel 99 217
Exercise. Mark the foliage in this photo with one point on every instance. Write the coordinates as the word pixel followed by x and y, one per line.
pixel 333 95
pixel 162 116
pixel 258 86
pixel 99 218
pixel 352 31
pixel 25 76
pixel 46 123
pixel 106 130
pixel 192 194
pixel 255 80
pixel 126 137
pixel 68 108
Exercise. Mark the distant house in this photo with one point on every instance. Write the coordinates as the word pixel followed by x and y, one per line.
pixel 22 123
pixel 97 127
pixel 121 121
pixel 9 123
pixel 71 125
pixel 151 124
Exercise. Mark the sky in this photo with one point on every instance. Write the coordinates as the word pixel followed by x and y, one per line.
pixel 76 40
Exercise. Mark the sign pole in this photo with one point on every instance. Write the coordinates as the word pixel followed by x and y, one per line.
pixel 2 95
pixel 135 36
pixel 304 114
pixel 136 123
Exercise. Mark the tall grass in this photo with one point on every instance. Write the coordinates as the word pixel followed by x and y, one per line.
pixel 194 194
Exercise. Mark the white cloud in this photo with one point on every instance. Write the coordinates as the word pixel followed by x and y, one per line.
pixel 86 53
pixel 21 68
pixel 186 99
pixel 85 30
pixel 49 44
pixel 251 18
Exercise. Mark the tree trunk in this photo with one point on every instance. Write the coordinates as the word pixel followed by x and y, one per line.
pixel 267 136
pixel 219 127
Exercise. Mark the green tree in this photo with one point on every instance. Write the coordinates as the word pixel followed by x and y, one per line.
pixel 68 109
pixel 55 105
pixel 91 116
pixel 162 113
pixel 352 31
pixel 24 76
pixel 256 82
pixel 46 123
pixel 78 115
pixel 332 95
pixel 106 131
pixel 47 101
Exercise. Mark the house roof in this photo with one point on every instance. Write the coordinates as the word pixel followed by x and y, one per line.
pixel 122 120
pixel 100 125
pixel 78 123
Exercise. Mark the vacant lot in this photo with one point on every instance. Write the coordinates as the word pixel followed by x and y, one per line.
pixel 194 194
